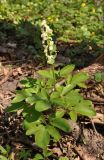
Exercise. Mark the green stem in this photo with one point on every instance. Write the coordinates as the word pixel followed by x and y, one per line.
pixel 53 70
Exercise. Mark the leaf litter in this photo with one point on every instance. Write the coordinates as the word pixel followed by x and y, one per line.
pixel 82 143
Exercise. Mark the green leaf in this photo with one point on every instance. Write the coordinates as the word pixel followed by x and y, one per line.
pixel 31 90
pixel 29 125
pixel 32 99
pixel 63 158
pixel 73 115
pixel 3 157
pixel 48 153
pixel 42 105
pixel 8 148
pixel 43 94
pixel 32 130
pixel 85 108
pixel 102 76
pixel 46 74
pixel 67 88
pixel 59 113
pixel 16 106
pixel 98 77
pixel 25 83
pixel 3 150
pixel 66 70
pixel 59 88
pixel 73 98
pixel 79 78
pixel 82 85
pixel 42 137
pixel 61 123
pixel 53 132
pixel 31 114
pixel 18 98
pixel 69 79
pixel 54 95
pixel 50 83
pixel 23 92
pixel 21 95
pixel 23 154
pixel 38 157
pixel 58 101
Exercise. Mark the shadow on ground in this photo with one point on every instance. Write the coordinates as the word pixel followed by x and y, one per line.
pixel 18 41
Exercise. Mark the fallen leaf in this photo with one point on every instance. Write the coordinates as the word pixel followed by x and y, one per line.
pixel 57 151
pixel 19 70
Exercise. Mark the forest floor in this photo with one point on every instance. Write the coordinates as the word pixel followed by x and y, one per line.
pixel 85 142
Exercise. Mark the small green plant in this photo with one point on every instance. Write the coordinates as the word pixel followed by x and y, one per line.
pixel 24 154
pixel 49 98
pixel 45 102
pixel 45 155
pixel 4 152
pixel 99 77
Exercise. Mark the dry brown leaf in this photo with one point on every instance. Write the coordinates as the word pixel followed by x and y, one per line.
pixel 19 70
pixel 15 73
pixel 6 71
pixel 1 96
pixel 57 151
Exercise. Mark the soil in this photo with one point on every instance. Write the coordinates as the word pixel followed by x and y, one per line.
pixel 85 142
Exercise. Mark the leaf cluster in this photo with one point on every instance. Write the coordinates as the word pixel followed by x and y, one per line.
pixel 47 101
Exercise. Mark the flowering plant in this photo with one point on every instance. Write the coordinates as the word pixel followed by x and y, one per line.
pixel 47 42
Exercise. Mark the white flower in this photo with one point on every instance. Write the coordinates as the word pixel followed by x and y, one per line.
pixel 50 59
pixel 51 47
pixel 48 44
pixel 48 30
pixel 43 22
pixel 51 43
pixel 46 49
pixel 43 35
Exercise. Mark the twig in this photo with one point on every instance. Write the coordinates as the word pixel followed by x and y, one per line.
pixel 93 125
pixel 16 61
pixel 98 119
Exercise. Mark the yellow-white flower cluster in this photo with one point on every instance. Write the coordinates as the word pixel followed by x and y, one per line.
pixel 47 42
